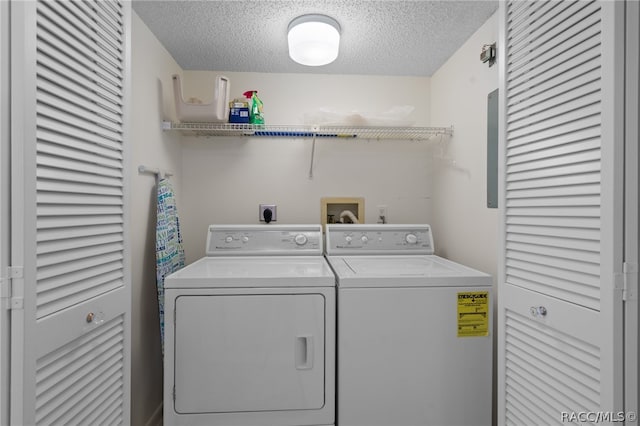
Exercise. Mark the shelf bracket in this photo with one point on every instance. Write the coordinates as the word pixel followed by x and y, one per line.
pixel 315 130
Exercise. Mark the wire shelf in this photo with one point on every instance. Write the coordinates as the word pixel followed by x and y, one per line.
pixel 329 132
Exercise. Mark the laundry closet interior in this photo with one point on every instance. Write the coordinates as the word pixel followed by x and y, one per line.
pixel 540 216
pixel 440 180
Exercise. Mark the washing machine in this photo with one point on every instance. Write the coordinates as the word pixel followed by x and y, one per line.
pixel 250 331
pixel 414 330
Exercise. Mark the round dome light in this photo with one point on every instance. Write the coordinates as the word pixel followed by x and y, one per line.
pixel 314 40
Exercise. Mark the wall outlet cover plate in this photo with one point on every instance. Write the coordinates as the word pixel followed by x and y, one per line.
pixel 264 207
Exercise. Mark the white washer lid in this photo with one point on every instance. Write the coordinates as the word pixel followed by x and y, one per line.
pixel 253 271
pixel 404 271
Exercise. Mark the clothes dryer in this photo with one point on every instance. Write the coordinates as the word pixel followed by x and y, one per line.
pixel 414 330
pixel 250 331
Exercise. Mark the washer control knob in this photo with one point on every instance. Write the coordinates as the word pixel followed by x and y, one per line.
pixel 245 239
pixel 348 238
pixel 411 238
pixel 300 239
pixel 228 239
pixel 364 238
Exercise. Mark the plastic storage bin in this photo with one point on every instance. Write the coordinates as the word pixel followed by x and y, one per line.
pixel 215 111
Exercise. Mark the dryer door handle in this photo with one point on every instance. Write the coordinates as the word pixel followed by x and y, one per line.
pixel 304 352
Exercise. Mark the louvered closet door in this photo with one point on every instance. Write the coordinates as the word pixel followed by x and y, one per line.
pixel 560 324
pixel 71 292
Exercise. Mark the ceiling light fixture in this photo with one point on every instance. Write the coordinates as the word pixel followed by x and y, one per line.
pixel 314 40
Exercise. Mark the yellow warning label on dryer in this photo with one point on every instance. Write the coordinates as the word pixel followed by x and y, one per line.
pixel 473 314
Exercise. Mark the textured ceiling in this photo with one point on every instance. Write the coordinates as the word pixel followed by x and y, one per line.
pixel 393 37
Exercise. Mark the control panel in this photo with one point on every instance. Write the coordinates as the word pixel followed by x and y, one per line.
pixel 247 240
pixel 379 239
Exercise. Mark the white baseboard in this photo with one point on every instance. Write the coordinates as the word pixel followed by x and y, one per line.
pixel 156 417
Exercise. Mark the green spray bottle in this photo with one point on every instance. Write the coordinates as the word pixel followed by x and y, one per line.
pixel 255 109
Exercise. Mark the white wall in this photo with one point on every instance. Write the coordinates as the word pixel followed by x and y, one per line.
pixel 224 179
pixel 464 229
pixel 152 96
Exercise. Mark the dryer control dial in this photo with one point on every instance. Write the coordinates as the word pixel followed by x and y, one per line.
pixel 228 239
pixel 364 238
pixel 300 239
pixel 411 238
pixel 348 238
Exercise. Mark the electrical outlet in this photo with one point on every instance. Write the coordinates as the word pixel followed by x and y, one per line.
pixel 265 207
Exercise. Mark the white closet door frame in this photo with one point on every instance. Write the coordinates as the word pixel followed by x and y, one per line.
pixel 632 185
pixel 23 190
pixel 612 206
pixel 609 325
pixel 5 167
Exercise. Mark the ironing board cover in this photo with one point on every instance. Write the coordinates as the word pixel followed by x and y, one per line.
pixel 169 249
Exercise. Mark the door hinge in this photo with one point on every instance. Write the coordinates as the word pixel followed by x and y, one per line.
pixel 5 292
pixel 15 272
pixel 629 281
pixel 15 275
